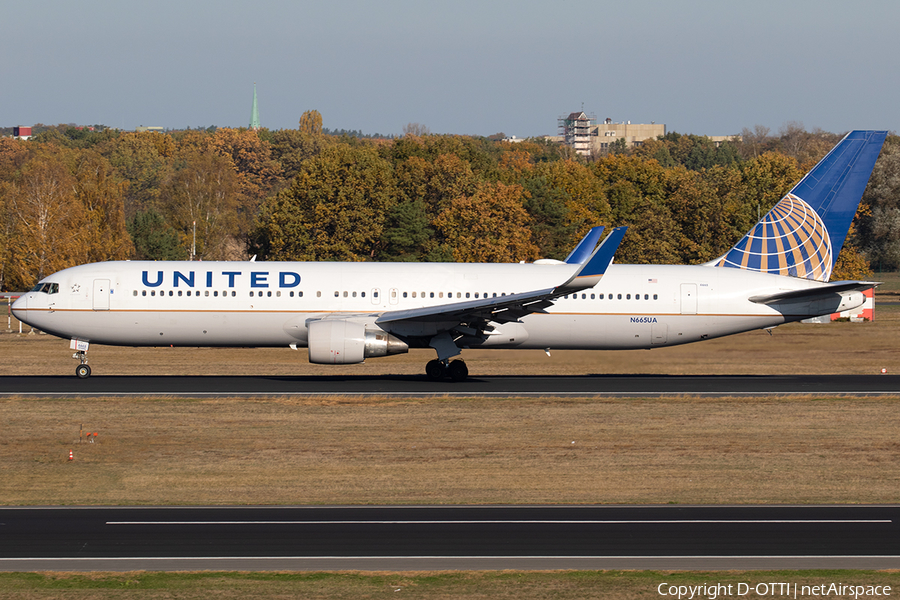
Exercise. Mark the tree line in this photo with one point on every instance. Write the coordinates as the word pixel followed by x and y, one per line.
pixel 70 196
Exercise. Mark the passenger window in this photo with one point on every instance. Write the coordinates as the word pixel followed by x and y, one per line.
pixel 476 294
pixel 620 296
pixel 216 294
pixel 292 294
pixel 206 293
pixel 431 295
pixel 467 294
pixel 646 296
pixel 628 296
pixel 300 294
pixel 189 292
pixel 318 294
pixel 414 294
pixel 592 296
pixel 404 294
pixel 233 293
pixel 135 292
pixel 144 293
pixel 440 294
pixel 251 293
pixel 171 293
pixel 179 292
pixel 354 294
pixel 655 296
pixel 363 294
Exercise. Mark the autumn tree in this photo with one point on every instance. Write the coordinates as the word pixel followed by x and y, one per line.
pixel 251 158
pixel 144 160
pixel 491 225
pixel 311 123
pixel 101 195
pixel 204 193
pixel 45 221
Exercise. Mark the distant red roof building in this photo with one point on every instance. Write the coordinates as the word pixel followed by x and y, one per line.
pixel 22 132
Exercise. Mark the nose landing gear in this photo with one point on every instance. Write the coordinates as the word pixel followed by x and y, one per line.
pixel 82 371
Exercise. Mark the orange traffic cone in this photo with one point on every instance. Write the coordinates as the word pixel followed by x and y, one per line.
pixel 71 456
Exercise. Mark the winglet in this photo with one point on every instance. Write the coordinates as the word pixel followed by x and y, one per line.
pixel 585 247
pixel 591 272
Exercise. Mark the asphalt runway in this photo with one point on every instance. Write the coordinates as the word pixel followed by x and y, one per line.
pixel 497 386
pixel 449 537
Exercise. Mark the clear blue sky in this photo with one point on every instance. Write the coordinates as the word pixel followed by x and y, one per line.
pixel 462 66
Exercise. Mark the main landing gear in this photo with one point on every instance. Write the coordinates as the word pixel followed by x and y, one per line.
pixel 456 370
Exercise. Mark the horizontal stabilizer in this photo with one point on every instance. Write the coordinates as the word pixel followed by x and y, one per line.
pixel 814 293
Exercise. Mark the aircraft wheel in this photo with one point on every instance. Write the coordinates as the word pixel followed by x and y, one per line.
pixel 83 371
pixel 434 369
pixel 458 370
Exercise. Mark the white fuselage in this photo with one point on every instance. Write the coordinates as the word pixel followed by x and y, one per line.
pixel 269 303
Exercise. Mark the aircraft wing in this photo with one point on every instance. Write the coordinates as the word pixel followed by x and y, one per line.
pixel 815 293
pixel 512 307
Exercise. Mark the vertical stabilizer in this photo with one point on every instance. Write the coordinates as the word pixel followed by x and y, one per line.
pixel 804 233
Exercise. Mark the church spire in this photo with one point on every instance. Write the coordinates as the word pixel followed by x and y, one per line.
pixel 254 115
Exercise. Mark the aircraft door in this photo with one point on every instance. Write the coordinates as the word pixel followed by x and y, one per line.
pixel 376 296
pixel 689 298
pixel 395 296
pixel 101 294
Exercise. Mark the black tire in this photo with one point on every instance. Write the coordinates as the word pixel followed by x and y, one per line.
pixel 434 369
pixel 458 370
pixel 83 371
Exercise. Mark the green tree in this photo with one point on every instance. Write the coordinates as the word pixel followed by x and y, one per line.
pixel 334 210
pixel 153 238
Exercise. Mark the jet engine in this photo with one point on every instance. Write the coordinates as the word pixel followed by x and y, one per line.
pixel 346 342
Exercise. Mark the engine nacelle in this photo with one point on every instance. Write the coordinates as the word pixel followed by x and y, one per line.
pixel 345 342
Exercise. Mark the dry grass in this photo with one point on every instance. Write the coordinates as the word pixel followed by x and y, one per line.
pixel 296 451
pixel 334 451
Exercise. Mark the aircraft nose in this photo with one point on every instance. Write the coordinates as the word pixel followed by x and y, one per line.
pixel 20 306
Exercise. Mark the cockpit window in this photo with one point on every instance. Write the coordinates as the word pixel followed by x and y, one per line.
pixel 47 288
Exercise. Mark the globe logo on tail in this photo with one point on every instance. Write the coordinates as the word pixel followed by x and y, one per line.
pixel 790 240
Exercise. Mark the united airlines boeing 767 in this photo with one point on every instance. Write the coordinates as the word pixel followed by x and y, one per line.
pixel 348 312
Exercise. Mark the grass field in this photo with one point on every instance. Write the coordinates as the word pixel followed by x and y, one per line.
pixel 623 585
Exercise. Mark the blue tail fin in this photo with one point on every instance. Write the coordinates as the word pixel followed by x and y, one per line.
pixel 804 233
